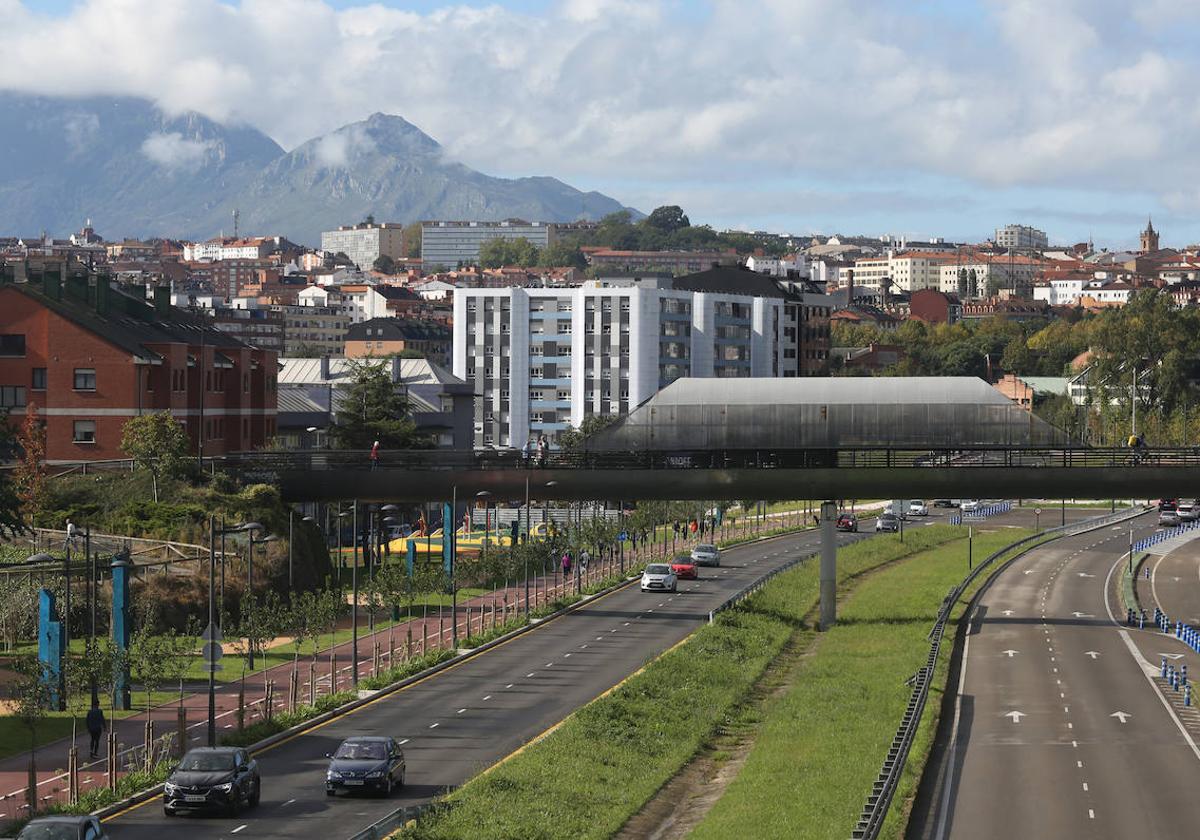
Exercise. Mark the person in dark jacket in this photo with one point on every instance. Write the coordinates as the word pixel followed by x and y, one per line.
pixel 96 724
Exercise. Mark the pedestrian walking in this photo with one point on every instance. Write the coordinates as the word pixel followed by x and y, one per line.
pixel 70 532
pixel 566 564
pixel 584 559
pixel 543 448
pixel 527 452
pixel 374 456
pixel 96 724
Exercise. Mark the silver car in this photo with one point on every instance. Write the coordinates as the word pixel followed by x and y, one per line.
pixel 1168 518
pixel 706 554
pixel 1188 511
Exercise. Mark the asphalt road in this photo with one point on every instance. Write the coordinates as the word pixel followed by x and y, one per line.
pixel 1174 584
pixel 458 722
pixel 1060 730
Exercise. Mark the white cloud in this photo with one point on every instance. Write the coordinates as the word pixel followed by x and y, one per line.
pixel 174 151
pixel 1010 92
pixel 337 150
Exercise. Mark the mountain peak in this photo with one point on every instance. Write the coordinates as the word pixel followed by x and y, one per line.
pixel 389 130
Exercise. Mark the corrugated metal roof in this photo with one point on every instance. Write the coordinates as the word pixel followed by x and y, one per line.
pixel 297 371
pixel 880 390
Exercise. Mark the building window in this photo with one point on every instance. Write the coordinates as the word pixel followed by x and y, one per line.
pixel 85 379
pixel 39 379
pixel 85 431
pixel 12 396
pixel 12 344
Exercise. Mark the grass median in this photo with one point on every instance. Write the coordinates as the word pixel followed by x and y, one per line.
pixel 589 776
pixel 821 744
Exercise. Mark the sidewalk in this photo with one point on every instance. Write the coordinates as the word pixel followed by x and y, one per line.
pixel 376 651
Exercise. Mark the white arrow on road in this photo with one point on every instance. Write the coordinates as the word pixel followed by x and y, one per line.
pixel 1082 615
pixel 1091 653
pixel 1121 716
pixel 1010 653
pixel 1085 574
pixel 1015 715
pixel 1029 571
pixel 1172 655
pixel 1008 612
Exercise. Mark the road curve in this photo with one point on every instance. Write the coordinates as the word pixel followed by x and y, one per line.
pixel 464 719
pixel 1058 729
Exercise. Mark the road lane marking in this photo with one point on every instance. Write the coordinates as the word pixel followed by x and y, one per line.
pixel 1085 787
pixel 510 685
pixel 239 828
pixel 488 696
pixel 434 725
pixel 460 711
pixel 1091 814
pixel 402 742
pixel 289 802
pixel 527 676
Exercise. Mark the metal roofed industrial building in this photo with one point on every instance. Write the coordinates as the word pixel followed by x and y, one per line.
pixel 692 415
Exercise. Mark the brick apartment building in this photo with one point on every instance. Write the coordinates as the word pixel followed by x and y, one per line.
pixel 90 356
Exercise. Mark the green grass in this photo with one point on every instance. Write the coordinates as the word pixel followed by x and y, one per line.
pixel 589 776
pixel 821 744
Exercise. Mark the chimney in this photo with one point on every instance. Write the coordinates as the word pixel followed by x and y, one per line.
pixel 162 302
pixel 52 281
pixel 396 373
pixel 324 368
pixel 102 293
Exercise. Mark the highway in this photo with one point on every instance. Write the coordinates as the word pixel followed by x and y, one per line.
pixel 458 722
pixel 1059 728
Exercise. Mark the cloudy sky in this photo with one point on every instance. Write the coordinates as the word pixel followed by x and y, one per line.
pixel 917 117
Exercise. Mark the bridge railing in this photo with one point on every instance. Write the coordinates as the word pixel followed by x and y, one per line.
pixel 845 458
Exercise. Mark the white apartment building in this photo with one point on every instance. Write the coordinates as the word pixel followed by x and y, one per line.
pixel 365 243
pixel 254 248
pixel 1022 238
pixel 1061 292
pixel 454 244
pixel 542 359
pixel 908 272
pixel 970 276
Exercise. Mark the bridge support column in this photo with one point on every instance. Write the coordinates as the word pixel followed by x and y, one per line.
pixel 828 564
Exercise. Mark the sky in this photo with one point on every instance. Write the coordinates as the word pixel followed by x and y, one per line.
pixel 911 117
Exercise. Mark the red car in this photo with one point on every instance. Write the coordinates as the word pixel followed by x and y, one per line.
pixel 847 522
pixel 684 567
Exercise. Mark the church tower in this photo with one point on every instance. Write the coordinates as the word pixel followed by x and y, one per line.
pixel 1149 238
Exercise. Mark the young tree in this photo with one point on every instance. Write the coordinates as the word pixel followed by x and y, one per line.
pixel 374 409
pixel 28 694
pixel 667 219
pixel 30 473
pixel 499 252
pixel 571 439
pixel 157 442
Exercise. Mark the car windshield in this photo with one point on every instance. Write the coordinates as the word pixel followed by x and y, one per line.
pixel 207 761
pixel 705 547
pixel 657 569
pixel 359 750
pixel 888 517
pixel 49 831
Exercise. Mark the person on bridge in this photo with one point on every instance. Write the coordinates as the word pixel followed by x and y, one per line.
pixel 543 448
pixel 374 456
pixel 96 724
pixel 527 452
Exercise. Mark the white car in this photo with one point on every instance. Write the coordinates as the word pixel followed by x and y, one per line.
pixel 969 505
pixel 1187 512
pixel 917 508
pixel 658 577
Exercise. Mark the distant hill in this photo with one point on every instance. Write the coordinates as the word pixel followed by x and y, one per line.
pixel 137 171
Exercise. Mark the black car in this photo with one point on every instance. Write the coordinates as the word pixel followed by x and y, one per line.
pixel 887 522
pixel 63 827
pixel 944 503
pixel 374 763
pixel 208 778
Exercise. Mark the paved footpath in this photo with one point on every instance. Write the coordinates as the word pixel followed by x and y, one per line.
pixel 432 632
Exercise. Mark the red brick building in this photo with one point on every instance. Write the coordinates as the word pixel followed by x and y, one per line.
pixel 934 307
pixel 90 356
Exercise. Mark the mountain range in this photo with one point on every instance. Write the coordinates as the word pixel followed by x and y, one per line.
pixel 137 171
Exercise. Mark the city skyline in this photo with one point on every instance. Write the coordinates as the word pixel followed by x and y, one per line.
pixel 942 118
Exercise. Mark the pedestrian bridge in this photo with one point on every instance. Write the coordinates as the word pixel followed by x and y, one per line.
pixel 1009 472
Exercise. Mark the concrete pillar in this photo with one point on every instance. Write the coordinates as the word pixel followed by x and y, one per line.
pixel 828 564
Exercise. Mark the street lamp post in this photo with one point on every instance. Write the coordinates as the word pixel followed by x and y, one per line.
pixel 527 549
pixel 453 565
pixel 251 528
pixel 354 604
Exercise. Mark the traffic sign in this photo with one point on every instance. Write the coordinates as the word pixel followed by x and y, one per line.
pixel 212 633
pixel 211 651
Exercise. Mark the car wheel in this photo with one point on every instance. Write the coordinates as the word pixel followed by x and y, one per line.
pixel 674 587
pixel 257 794
pixel 167 812
pixel 330 792
pixel 235 804
pixel 401 783
pixel 387 786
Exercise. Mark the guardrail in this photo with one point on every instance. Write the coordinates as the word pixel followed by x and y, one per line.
pixel 396 819
pixel 981 513
pixel 1162 536
pixel 884 788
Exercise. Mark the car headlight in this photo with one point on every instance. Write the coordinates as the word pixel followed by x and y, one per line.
pixel 375 774
pixel 333 774
pixel 225 788
pixel 170 789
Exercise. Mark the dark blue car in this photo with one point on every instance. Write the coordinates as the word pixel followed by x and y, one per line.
pixel 366 763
